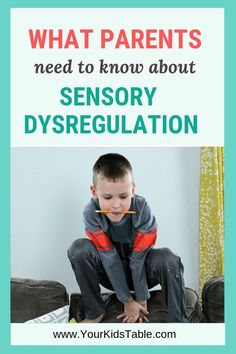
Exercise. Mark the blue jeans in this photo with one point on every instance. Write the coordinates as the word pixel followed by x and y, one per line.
pixel 162 267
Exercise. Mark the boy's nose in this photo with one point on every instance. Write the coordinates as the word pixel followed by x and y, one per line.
pixel 116 205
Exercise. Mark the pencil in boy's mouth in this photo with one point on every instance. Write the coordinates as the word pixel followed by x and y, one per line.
pixel 116 212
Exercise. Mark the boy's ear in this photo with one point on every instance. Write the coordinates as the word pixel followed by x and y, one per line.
pixel 133 189
pixel 93 191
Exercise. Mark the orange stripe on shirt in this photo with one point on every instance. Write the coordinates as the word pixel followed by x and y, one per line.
pixel 144 240
pixel 100 240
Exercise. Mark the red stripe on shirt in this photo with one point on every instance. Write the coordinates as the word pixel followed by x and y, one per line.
pixel 144 240
pixel 100 240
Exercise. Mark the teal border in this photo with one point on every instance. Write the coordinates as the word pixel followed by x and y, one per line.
pixel 230 173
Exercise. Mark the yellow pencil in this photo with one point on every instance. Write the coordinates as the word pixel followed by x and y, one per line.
pixel 119 212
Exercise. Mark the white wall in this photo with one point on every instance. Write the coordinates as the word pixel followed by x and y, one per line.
pixel 50 186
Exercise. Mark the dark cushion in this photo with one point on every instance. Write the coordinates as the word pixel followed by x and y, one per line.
pixel 213 300
pixel 34 298
pixel 156 306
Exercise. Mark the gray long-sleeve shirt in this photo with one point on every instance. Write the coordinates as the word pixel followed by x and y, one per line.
pixel 131 238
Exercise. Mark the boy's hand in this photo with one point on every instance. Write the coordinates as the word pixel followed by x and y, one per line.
pixel 142 314
pixel 132 311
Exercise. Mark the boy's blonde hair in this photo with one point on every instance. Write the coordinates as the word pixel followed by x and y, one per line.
pixel 111 166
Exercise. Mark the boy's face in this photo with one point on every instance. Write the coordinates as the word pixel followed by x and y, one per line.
pixel 115 196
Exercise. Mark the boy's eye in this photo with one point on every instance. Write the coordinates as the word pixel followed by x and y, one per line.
pixel 107 197
pixel 124 196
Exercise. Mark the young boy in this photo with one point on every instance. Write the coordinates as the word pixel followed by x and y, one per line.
pixel 119 253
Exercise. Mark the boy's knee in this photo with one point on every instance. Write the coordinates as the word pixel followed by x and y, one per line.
pixel 168 255
pixel 165 258
pixel 78 249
